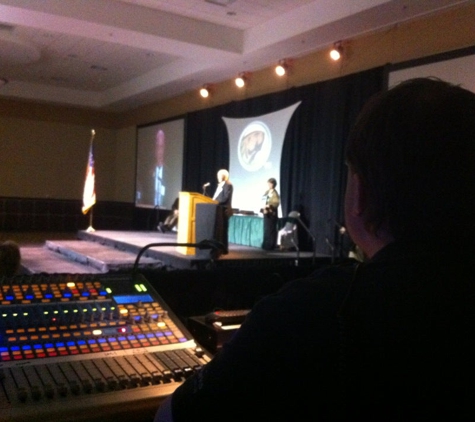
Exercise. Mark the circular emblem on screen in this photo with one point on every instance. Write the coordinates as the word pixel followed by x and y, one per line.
pixel 254 146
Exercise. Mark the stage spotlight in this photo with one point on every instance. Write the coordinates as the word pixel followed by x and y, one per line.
pixel 280 70
pixel 240 82
pixel 282 67
pixel 336 51
pixel 204 91
pixel 242 79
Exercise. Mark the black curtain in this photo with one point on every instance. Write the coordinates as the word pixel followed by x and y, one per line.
pixel 313 173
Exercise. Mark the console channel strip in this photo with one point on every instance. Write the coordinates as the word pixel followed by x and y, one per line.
pixel 85 347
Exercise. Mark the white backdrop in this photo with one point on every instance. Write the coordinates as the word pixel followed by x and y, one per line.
pixel 256 150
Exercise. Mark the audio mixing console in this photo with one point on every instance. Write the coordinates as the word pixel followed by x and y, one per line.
pixel 88 347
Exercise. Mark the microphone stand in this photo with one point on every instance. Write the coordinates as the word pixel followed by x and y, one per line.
pixel 155 211
pixel 339 235
pixel 314 244
pixel 337 245
pixel 298 251
pixel 214 245
pixel 332 248
pixel 204 188
pixel 296 215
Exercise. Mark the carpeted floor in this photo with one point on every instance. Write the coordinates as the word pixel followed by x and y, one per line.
pixel 25 239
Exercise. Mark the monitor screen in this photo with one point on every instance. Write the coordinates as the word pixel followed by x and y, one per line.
pixel 159 164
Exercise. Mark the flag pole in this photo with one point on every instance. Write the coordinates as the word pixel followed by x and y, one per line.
pixel 90 228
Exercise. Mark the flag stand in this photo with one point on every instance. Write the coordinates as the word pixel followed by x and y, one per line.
pixel 90 228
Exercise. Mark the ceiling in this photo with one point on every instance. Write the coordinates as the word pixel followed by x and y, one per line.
pixel 117 55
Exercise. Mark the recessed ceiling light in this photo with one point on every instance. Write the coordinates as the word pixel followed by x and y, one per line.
pixel 97 67
pixel 220 2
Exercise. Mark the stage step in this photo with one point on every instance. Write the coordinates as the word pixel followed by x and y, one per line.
pixel 79 256
pixel 101 257
pixel 38 259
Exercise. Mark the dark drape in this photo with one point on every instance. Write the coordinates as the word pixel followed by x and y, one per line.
pixel 313 173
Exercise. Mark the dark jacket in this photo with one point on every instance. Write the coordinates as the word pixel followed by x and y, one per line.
pixel 225 198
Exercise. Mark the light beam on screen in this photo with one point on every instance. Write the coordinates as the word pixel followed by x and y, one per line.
pixel 255 145
pixel 159 164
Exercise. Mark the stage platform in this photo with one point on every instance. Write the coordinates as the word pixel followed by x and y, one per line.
pixel 103 251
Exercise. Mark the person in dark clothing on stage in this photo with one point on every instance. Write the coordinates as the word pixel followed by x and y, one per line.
pixel 172 219
pixel 224 196
pixel 270 212
pixel 387 339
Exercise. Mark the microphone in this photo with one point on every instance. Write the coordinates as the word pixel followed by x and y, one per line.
pixel 217 248
pixel 206 185
pixel 341 227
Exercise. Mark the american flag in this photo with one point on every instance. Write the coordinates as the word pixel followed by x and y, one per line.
pixel 89 195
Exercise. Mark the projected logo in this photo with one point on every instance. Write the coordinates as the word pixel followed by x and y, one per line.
pixel 254 146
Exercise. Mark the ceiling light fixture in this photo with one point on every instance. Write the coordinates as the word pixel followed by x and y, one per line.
pixel 242 79
pixel 337 51
pixel 282 67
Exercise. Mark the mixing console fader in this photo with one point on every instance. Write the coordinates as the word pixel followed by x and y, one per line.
pixel 88 347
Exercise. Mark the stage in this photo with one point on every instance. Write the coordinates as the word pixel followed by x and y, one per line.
pixel 102 251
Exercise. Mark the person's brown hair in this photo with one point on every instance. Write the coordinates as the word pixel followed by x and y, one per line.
pixel 413 148
pixel 273 181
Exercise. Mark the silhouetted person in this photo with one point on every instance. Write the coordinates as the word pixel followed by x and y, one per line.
pixel 10 258
pixel 389 339
pixel 270 213
pixel 172 219
pixel 224 196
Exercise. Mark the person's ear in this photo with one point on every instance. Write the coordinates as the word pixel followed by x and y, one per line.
pixel 357 197
pixel 362 197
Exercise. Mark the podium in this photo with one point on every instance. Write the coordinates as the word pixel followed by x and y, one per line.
pixel 195 210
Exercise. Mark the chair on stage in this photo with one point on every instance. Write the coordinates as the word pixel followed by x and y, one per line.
pixel 287 236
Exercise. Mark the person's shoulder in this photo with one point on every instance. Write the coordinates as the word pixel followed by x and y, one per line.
pixel 322 290
pixel 333 274
pixel 329 273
